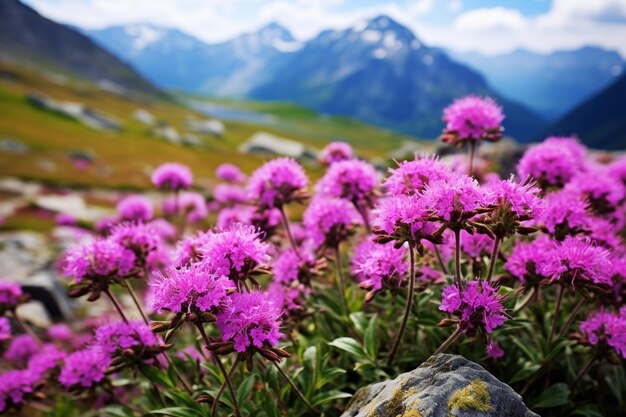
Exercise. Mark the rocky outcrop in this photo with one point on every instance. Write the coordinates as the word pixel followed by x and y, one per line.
pixel 443 386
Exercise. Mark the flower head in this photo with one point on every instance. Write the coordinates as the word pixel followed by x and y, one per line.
pixel 335 152
pixel 474 118
pixel 494 351
pixel 10 295
pixel 97 260
pixel 564 213
pixel 191 204
pixel 251 320
pixel 47 359
pixel 135 208
pixel 172 176
pixel 453 199
pixel 603 191
pixel 475 245
pixel 577 260
pixel 478 306
pixel 189 289
pixel 5 329
pixel 118 336
pixel 84 368
pixel 377 266
pixel 229 173
pixel 21 348
pixel 553 162
pixel 606 328
pixel 405 218
pixel 353 180
pixel 144 242
pixel 412 177
pixel 278 182
pixel 288 267
pixel 329 221
pixel 235 252
pixel 229 194
pixel 60 331
pixel 14 386
pixel 527 259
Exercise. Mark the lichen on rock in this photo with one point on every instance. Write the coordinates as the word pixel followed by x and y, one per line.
pixel 474 396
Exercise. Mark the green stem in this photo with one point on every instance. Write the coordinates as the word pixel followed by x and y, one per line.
pixel 472 148
pixel 407 309
pixel 116 304
pixel 494 258
pixel 295 388
pixel 571 317
pixel 457 259
pixel 449 341
pixel 585 369
pixel 341 279
pixel 557 312
pixel 227 376
pixel 132 294
pixel 444 268
pixel 283 215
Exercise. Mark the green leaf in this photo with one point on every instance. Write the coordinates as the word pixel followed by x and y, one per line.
pixel 525 372
pixel 555 396
pixel 177 412
pixel 244 389
pixel 156 376
pixel 370 338
pixel 359 319
pixel 349 345
pixel 117 411
pixel 329 396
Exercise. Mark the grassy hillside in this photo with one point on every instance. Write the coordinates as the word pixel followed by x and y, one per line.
pixel 124 159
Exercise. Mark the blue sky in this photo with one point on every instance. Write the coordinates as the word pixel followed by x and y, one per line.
pixel 487 26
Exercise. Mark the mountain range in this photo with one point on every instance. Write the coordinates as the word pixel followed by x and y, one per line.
pixel 376 70
pixel 600 121
pixel 551 84
pixel 31 39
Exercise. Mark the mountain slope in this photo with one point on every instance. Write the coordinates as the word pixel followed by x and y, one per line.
pixel 551 84
pixel 30 38
pixel 177 60
pixel 380 72
pixel 600 122
pixel 376 71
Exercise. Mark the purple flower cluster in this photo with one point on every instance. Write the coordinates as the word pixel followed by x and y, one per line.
pixel 411 177
pixel 474 118
pixel 229 173
pixel 335 152
pixel 117 336
pixel 172 176
pixel 5 329
pixel 277 182
pixel 191 204
pixel 377 266
pixel 84 368
pixel 353 180
pixel 606 328
pixel 10 295
pixel 405 219
pixel 99 259
pixel 554 162
pixel 190 289
pixel 329 221
pixel 478 306
pixel 15 385
pixel 135 208
pixel 250 320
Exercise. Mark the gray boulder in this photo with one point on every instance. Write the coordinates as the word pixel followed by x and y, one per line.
pixel 443 386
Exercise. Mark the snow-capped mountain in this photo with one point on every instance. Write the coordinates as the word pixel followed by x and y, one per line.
pixel 174 59
pixel 377 70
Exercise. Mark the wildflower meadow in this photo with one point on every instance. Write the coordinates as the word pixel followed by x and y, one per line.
pixel 275 295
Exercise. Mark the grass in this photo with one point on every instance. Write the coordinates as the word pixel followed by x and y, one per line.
pixel 123 160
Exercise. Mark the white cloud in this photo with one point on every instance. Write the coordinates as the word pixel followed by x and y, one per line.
pixel 455 5
pixel 491 18
pixel 568 23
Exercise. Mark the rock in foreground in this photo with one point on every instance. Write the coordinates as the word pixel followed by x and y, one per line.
pixel 443 386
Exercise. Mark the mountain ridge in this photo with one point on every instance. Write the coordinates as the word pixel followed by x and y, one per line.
pixel 31 39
